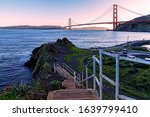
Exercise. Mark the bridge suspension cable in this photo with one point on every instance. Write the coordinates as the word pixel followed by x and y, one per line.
pixel 97 18
pixel 74 22
pixel 102 15
pixel 130 10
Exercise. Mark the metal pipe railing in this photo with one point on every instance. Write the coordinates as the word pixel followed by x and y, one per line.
pixel 83 75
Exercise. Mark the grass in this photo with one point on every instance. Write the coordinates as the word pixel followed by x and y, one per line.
pixel 8 96
pixel 74 52
pixel 134 77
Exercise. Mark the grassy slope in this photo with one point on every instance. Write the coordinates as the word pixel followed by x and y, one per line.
pixel 134 78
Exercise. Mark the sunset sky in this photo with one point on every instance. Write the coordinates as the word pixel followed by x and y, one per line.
pixel 57 12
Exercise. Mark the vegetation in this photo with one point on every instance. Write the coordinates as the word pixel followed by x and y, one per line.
pixel 134 77
pixel 8 96
pixel 14 92
pixel 55 85
pixel 136 26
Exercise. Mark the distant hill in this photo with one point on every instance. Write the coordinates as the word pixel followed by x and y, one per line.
pixel 136 27
pixel 32 27
pixel 90 28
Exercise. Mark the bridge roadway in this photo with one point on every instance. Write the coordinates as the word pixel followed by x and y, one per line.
pixel 119 22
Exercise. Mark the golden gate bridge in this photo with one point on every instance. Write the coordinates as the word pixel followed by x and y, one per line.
pixel 115 21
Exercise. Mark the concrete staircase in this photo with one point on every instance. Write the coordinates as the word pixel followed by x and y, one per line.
pixel 71 90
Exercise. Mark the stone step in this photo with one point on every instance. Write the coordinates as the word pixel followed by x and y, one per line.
pixel 73 94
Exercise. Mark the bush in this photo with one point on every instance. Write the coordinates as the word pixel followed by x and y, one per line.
pixel 54 85
pixel 8 96
pixel 47 67
pixel 21 90
pixel 52 49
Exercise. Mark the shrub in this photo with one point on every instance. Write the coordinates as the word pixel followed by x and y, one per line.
pixel 21 90
pixel 8 96
pixel 55 85
pixel 47 67
pixel 52 49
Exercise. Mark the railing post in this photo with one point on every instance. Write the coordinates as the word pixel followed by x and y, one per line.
pixel 117 77
pixel 100 74
pixel 74 73
pixel 94 73
pixel 86 77
pixel 82 80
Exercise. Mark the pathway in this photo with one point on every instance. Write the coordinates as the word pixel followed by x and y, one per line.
pixel 71 90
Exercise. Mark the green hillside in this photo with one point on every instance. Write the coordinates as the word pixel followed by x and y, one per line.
pixel 136 27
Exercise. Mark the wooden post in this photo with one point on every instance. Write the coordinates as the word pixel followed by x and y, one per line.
pixel 94 73
pixel 86 78
pixel 117 77
pixel 100 74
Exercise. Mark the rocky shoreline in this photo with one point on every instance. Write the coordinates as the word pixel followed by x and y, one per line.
pixel 41 65
pixel 43 57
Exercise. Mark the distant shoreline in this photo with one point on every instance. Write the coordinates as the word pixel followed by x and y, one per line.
pixel 32 27
pixel 131 43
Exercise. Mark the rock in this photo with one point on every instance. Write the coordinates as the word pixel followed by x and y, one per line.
pixel 64 42
pixel 43 57
pixel 32 62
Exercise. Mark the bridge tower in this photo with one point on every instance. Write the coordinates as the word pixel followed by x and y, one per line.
pixel 115 16
pixel 69 24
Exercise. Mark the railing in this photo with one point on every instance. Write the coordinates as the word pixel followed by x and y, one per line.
pixel 82 78
pixel 69 69
pixel 118 57
pixel 61 71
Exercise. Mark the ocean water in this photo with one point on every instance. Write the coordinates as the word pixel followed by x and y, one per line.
pixel 16 47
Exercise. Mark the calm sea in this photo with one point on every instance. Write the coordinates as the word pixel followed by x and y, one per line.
pixel 16 47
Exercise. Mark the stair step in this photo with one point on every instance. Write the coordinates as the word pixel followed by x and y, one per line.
pixel 72 90
pixel 69 84
pixel 73 94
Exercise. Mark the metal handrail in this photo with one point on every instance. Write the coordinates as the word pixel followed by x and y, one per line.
pixel 80 79
pixel 86 79
pixel 68 68
pixel 62 70
pixel 137 60
pixel 85 66
pixel 73 72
